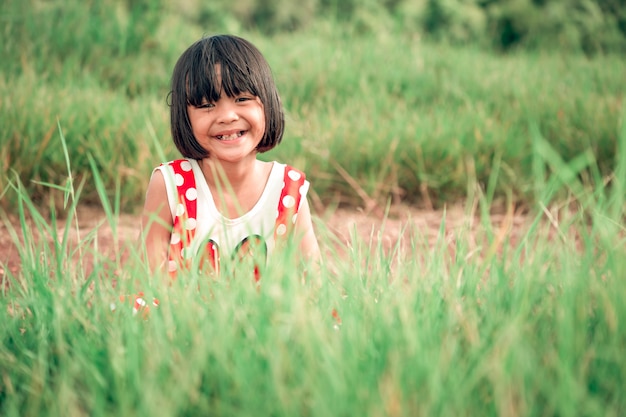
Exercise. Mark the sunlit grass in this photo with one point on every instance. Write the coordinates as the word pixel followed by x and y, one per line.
pixel 470 323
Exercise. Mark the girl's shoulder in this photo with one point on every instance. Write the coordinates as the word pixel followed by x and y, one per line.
pixel 290 172
pixel 182 164
pixel 179 176
pixel 177 168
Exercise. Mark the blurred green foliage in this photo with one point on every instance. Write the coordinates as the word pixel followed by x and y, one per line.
pixel 591 26
pixel 407 97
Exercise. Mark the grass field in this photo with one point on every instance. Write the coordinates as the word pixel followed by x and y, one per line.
pixel 478 322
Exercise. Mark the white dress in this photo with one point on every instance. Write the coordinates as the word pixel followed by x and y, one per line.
pixel 198 224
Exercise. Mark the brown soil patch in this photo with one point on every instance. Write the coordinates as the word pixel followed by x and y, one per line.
pixel 400 226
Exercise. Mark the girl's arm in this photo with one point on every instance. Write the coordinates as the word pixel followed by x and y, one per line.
pixel 156 223
pixel 304 227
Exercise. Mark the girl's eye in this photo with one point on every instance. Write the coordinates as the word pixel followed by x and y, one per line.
pixel 241 99
pixel 205 105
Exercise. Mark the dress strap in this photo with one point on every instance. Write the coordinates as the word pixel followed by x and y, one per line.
pixel 289 202
pixel 185 216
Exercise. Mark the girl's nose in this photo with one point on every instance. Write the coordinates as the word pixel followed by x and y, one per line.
pixel 227 112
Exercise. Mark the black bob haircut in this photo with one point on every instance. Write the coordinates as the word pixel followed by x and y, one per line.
pixel 242 68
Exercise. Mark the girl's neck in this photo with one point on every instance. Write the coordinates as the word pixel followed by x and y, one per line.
pixel 222 173
pixel 236 187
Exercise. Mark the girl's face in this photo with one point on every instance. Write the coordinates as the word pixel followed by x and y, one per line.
pixel 230 128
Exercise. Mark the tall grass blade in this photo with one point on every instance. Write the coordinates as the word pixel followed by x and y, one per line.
pixel 618 186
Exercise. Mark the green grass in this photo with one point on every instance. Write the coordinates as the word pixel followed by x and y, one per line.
pixel 478 322
pixel 473 324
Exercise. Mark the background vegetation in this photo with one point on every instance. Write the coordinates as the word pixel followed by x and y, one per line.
pixel 424 102
pixel 370 98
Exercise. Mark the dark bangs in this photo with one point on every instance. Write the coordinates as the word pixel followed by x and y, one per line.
pixel 236 73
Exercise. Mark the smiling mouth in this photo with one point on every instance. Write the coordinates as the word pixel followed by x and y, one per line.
pixel 230 137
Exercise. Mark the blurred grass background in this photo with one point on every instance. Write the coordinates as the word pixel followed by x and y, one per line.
pixel 407 99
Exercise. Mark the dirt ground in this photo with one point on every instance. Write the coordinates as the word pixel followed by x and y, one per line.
pixel 398 225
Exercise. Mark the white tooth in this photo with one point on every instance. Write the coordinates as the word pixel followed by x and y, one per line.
pixel 229 137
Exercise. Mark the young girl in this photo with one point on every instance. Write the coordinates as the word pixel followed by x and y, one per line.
pixel 220 200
